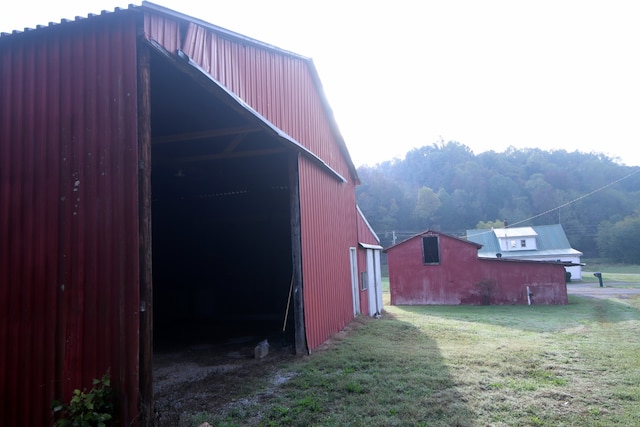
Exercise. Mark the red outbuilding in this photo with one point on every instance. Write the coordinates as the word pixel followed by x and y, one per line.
pixel 436 268
pixel 163 179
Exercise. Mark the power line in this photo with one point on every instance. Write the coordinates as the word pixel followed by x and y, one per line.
pixel 579 198
pixel 396 234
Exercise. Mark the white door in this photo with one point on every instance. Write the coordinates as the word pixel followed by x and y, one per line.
pixel 353 254
pixel 374 282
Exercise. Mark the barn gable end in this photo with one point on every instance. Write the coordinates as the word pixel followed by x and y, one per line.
pixel 162 178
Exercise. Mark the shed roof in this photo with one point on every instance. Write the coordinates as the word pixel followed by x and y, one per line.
pixel 433 233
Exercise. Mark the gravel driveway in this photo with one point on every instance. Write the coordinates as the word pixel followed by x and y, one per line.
pixel 609 290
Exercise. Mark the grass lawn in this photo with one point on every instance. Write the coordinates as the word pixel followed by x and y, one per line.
pixel 575 365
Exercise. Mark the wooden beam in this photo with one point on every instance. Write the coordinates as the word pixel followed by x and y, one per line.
pixel 234 144
pixel 193 136
pixel 296 256
pixel 144 200
pixel 231 155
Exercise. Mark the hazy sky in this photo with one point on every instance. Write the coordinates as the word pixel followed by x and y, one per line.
pixel 401 74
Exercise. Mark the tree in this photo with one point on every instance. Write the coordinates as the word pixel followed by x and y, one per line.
pixel 490 224
pixel 620 241
pixel 522 186
pixel 427 204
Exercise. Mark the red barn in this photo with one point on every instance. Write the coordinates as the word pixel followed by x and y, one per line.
pixel 435 268
pixel 161 178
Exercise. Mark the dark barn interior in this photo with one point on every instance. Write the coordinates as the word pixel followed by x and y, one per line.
pixel 221 216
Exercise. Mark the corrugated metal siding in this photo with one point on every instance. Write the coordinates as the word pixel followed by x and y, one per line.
pixel 364 232
pixel 327 212
pixel 68 216
pixel 281 88
pixel 278 86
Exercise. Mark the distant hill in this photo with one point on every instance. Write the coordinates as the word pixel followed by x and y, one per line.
pixel 449 188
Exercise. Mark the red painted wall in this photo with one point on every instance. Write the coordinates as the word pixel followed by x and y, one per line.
pixel 327 210
pixel 462 278
pixel 69 251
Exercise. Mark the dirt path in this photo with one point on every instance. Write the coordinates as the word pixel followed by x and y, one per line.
pixel 609 290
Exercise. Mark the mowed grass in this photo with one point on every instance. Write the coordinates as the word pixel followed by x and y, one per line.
pixel 575 365
pixel 616 273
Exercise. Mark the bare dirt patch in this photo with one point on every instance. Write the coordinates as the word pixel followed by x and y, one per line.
pixel 206 378
pixel 213 378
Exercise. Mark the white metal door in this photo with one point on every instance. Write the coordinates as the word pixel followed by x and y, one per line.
pixel 354 281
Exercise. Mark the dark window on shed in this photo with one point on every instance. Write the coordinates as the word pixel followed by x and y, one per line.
pixel 430 250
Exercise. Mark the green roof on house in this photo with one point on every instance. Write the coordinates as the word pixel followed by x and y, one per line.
pixel 551 240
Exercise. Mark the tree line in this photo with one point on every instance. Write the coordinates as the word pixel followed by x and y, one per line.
pixel 446 187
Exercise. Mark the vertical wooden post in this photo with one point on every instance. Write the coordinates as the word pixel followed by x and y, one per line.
pixel 146 288
pixel 296 255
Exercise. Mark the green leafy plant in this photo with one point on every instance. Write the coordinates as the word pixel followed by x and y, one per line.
pixel 92 408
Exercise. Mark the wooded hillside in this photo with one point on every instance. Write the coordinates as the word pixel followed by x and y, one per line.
pixel 448 188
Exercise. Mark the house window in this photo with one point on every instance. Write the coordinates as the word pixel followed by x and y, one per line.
pixel 430 250
pixel 513 244
pixel 523 243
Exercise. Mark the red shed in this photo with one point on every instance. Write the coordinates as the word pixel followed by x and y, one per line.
pixel 436 268
pixel 161 179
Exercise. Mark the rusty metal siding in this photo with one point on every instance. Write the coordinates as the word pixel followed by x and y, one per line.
pixel 327 212
pixel 68 216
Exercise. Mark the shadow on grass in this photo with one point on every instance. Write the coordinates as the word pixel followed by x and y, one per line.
pixel 388 373
pixel 538 318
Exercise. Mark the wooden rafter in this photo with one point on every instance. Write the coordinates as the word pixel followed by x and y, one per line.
pixel 226 155
pixel 193 136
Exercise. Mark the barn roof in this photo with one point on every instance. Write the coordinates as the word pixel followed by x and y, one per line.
pixel 152 7
pixel 220 92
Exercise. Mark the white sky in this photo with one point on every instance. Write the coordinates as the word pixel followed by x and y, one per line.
pixel 550 74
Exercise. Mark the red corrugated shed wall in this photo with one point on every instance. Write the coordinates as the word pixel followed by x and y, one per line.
pixel 281 88
pixel 462 278
pixel 68 216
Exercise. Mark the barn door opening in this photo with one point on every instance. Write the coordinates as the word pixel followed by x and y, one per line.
pixel 222 224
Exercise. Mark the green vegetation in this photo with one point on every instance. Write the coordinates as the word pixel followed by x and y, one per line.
pixel 605 267
pixel 447 187
pixel 462 365
pixel 93 408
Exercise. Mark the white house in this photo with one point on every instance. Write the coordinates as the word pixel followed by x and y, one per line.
pixel 536 243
